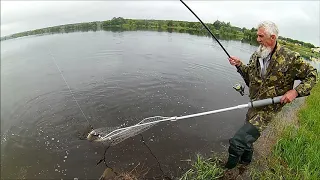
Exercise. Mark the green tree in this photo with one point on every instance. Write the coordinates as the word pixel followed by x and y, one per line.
pixel 217 24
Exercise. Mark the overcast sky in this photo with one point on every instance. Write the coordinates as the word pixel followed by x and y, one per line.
pixel 296 19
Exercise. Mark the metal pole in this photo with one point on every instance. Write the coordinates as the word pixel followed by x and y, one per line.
pixel 258 103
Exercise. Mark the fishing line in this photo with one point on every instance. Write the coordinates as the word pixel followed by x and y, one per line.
pixel 143 141
pixel 54 60
pixel 103 159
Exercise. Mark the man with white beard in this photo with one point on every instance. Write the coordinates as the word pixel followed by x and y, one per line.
pixel 271 72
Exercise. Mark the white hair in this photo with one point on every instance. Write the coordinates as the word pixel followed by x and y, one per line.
pixel 270 27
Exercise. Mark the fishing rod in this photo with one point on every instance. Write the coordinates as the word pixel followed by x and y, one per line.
pixel 206 28
pixel 237 87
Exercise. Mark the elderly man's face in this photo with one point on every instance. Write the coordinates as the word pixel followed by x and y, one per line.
pixel 264 39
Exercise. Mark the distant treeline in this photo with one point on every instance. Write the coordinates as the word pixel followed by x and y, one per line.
pixel 221 29
pixel 56 29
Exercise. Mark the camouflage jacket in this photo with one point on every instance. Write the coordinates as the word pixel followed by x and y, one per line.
pixel 285 67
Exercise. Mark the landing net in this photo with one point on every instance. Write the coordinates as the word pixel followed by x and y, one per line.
pixel 113 136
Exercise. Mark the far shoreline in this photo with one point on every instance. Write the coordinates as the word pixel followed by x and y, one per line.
pixel 222 31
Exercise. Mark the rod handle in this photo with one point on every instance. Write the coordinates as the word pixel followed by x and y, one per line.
pixel 265 102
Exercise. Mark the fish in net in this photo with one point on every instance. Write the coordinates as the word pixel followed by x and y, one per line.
pixel 113 135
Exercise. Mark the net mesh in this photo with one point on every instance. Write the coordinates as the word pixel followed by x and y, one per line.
pixel 112 135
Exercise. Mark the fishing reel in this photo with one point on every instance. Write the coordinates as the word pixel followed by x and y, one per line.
pixel 239 88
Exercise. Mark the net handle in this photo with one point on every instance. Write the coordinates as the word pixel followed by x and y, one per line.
pixel 252 104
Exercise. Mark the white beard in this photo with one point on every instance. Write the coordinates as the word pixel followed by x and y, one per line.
pixel 263 51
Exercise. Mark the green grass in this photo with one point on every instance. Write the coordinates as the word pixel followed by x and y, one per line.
pixel 297 153
pixel 204 169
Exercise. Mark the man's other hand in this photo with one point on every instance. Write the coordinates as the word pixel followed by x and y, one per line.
pixel 234 61
pixel 289 96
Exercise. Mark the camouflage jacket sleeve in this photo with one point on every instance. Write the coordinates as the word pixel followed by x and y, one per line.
pixel 243 70
pixel 307 74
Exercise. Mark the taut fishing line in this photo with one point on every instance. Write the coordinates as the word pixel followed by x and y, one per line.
pixel 66 82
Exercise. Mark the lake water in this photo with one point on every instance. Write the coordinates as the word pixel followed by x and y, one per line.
pixel 118 78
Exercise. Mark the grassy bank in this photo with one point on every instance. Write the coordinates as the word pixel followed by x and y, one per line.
pixel 203 169
pixel 300 148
